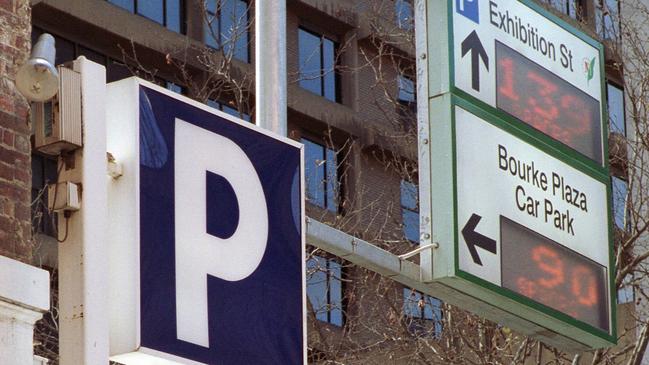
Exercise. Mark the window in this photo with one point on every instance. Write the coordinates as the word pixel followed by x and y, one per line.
pixel 615 98
pixel 226 26
pixel 321 174
pixel 407 99
pixel 405 14
pixel 607 18
pixel 620 212
pixel 568 7
pixel 225 108
pixel 317 58
pixel 626 293
pixel 410 211
pixel 43 173
pixel 168 13
pixel 174 87
pixel 422 312
pixel 324 289
pixel 407 94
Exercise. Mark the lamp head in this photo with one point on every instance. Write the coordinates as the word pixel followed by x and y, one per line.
pixel 38 79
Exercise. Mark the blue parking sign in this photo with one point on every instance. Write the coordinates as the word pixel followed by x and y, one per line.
pixel 220 237
pixel 469 8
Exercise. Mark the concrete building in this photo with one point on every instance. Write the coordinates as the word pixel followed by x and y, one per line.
pixel 351 101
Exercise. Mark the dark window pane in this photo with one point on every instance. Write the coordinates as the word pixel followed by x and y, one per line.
pixel 241 50
pixel 214 104
pixel 125 4
pixel 321 174
pixel 606 19
pixel 92 55
pixel 411 300
pixel 174 87
pixel 235 112
pixel 314 165
pixel 335 293
pixel 116 71
pixel 410 211
pixel 425 308
pixel 324 289
pixel 151 9
pixel 626 293
pixel 36 32
pixel 409 195
pixel 37 172
pixel 43 173
pixel 616 109
pixel 572 8
pixel 64 50
pixel 211 31
pixel 619 188
pixel 332 180
pixel 173 12
pixel 310 62
pixel 405 14
pixel 316 288
pixel 210 6
pixel 234 28
pixel 410 225
pixel 560 5
pixel 328 63
pixel 406 89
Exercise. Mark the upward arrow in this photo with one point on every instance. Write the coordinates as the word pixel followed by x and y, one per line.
pixel 473 238
pixel 472 43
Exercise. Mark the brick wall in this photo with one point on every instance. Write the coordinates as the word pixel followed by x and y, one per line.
pixel 15 161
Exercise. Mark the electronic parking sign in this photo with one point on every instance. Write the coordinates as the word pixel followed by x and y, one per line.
pixel 207 250
pixel 519 191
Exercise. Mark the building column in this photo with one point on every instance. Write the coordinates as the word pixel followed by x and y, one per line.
pixel 24 297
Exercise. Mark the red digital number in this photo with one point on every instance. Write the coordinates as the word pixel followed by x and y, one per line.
pixel 507 87
pixel 583 286
pixel 552 289
pixel 548 111
pixel 548 261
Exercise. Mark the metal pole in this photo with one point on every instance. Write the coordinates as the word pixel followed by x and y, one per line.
pixel 82 257
pixel 270 65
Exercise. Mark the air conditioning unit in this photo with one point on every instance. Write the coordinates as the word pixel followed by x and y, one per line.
pixel 57 123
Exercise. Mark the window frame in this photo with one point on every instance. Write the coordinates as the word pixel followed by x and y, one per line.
pixel 216 35
pixel 419 323
pixel 222 106
pixel 182 16
pixel 407 23
pixel 602 13
pixel 336 195
pixel 47 225
pixel 331 304
pixel 409 185
pixel 610 84
pixel 626 226
pixel 572 8
pixel 407 107
pixel 322 72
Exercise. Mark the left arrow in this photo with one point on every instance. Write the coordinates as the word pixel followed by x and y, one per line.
pixel 473 238
pixel 472 43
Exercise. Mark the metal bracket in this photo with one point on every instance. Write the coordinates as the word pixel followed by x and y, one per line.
pixel 418 250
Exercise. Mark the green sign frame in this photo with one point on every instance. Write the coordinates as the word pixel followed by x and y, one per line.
pixel 535 319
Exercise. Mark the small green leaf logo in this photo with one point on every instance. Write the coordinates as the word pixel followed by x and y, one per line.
pixel 589 69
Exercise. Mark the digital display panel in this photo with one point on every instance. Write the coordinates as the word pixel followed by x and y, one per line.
pixel 548 103
pixel 551 274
